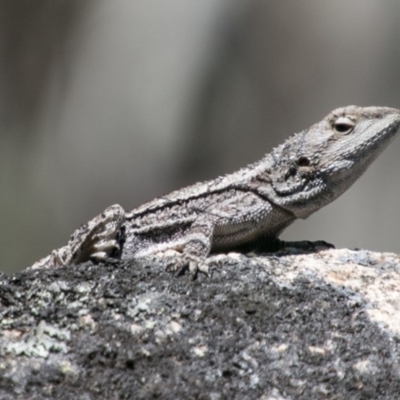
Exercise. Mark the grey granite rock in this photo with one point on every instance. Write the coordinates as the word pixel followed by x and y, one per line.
pixel 323 325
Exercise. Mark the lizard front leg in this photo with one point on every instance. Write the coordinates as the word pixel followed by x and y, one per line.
pixel 190 237
pixel 195 249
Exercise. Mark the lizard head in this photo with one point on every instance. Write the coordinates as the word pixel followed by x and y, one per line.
pixel 314 167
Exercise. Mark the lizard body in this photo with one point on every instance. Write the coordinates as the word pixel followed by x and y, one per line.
pixel 250 207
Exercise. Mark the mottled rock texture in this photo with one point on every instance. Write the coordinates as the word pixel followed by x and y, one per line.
pixel 322 325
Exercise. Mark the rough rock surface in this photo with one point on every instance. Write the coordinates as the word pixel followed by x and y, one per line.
pixel 323 325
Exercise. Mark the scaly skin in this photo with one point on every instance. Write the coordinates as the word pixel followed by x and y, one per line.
pixel 247 208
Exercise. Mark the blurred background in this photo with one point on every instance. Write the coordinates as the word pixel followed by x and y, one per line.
pixel 120 101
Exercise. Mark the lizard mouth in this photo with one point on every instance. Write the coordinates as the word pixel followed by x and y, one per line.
pixel 375 144
pixel 357 153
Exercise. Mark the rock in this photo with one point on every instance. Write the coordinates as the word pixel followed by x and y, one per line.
pixel 322 325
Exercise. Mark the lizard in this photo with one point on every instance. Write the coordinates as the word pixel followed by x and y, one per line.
pixel 246 209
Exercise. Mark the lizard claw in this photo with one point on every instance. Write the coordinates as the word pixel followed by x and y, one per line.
pixel 194 266
pixel 103 249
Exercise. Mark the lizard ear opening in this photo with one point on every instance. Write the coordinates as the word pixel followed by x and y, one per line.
pixel 303 162
pixel 344 125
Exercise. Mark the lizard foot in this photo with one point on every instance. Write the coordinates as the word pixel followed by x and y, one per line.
pixel 188 263
pixel 307 245
pixel 98 239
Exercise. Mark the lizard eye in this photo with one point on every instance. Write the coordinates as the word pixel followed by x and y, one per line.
pixel 344 125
